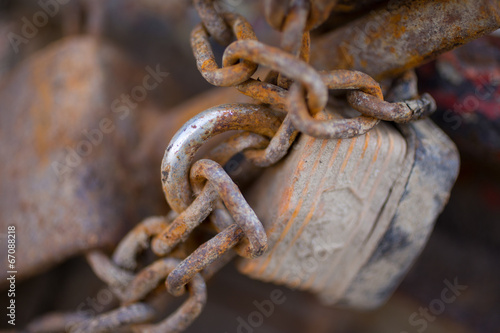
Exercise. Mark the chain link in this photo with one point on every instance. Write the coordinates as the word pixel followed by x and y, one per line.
pixel 276 12
pixel 180 153
pixel 213 21
pixel 205 60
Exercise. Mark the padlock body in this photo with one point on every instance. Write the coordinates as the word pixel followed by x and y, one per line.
pixel 336 215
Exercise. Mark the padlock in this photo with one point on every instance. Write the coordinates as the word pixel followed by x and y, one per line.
pixel 346 218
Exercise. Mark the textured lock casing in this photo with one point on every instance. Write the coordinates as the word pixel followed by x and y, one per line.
pixel 346 218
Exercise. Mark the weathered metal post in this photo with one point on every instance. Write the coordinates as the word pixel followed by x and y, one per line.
pixel 404 35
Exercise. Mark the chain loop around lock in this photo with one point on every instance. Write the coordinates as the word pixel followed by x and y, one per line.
pixel 180 153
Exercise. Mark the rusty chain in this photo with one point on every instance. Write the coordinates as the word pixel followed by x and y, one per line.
pixel 290 97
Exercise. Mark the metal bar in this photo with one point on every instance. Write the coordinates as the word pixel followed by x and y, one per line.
pixel 405 34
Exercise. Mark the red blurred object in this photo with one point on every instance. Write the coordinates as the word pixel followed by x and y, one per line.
pixel 466 86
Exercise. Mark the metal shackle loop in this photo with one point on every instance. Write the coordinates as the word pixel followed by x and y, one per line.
pixel 180 153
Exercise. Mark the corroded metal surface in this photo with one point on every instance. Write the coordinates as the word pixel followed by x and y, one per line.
pixel 205 60
pixel 63 185
pixel 386 42
pixel 184 224
pixel 185 314
pixel 276 11
pixel 434 171
pixel 206 254
pixel 213 21
pixel 400 112
pixel 320 203
pixel 136 241
pixel 335 225
pixel 344 128
pixel 220 184
pixel 283 62
pixel 134 312
pixel 180 153
pixel 364 95
pixel 126 315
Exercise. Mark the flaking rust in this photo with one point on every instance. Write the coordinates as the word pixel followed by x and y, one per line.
pixel 405 34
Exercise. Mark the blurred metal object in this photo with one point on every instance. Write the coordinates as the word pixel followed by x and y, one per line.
pixel 55 322
pixel 85 16
pixel 345 6
pixel 64 186
pixel 466 85
pixel 132 289
pixel 134 312
pixel 276 11
pixel 213 21
pixel 111 321
pixel 405 34
pixel 187 312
